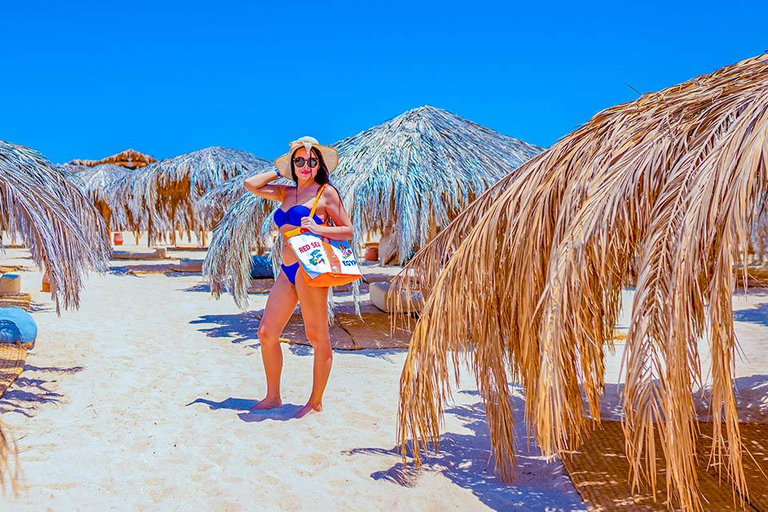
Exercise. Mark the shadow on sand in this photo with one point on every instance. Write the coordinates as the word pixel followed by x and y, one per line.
pixel 28 391
pixel 244 328
pixel 466 460
pixel 200 287
pixel 283 413
pixel 756 315
pixel 165 269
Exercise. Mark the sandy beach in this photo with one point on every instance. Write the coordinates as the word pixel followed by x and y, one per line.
pixel 139 401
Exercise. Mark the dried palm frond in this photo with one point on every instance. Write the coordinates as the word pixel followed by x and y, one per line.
pixel 667 187
pixel 212 205
pixel 409 176
pixel 10 470
pixel 245 228
pixel 62 229
pixel 161 196
pixel 96 181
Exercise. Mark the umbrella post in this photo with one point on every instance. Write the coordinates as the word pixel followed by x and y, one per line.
pixel 173 224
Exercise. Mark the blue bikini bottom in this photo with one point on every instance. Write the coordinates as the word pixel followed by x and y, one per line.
pixel 290 272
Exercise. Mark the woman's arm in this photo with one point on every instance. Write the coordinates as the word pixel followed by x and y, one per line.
pixel 258 185
pixel 335 210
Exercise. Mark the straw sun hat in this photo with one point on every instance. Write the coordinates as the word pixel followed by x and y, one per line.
pixel 330 155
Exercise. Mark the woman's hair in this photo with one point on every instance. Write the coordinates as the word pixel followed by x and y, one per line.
pixel 321 178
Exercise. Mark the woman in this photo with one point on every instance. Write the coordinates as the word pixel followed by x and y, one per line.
pixel 309 165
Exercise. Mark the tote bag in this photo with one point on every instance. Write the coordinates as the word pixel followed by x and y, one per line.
pixel 324 262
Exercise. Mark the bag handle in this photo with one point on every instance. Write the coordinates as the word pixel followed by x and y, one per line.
pixel 317 200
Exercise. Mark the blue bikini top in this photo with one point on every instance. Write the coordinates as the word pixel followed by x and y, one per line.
pixel 293 216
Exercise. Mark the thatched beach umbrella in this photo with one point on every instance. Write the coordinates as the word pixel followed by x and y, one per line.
pixel 165 192
pixel 408 177
pixel 405 178
pixel 245 227
pixel 63 231
pixel 666 187
pixel 215 202
pixel 129 158
pixel 96 181
pixel 57 222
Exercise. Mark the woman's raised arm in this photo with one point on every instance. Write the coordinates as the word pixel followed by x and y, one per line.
pixel 258 184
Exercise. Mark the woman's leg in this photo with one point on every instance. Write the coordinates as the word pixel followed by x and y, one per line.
pixel 314 311
pixel 280 306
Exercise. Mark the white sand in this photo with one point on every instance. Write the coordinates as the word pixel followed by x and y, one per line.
pixel 155 417
pixel 138 401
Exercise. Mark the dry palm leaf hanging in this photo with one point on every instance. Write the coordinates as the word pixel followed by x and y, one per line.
pixel 96 181
pixel 411 175
pixel 666 188
pixel 59 224
pixel 162 196
pixel 64 233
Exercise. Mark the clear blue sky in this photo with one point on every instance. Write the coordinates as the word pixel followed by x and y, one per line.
pixel 88 79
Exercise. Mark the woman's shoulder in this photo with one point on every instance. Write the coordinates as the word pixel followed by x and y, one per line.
pixel 330 192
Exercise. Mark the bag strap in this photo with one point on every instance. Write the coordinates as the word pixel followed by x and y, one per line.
pixel 317 200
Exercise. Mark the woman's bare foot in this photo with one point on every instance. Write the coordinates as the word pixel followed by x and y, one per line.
pixel 267 403
pixel 308 409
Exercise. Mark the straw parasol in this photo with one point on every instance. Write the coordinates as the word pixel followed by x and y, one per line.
pixel 667 188
pixel 95 182
pixel 162 196
pixel 406 177
pixel 245 227
pixel 129 158
pixel 57 222
pixel 63 231
pixel 215 202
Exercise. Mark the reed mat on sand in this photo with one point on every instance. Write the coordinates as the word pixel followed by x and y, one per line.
pixel 600 471
pixel 261 285
pixel 145 256
pixel 20 300
pixel 12 357
pixel 349 332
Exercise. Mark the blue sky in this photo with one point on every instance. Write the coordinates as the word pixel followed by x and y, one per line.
pixel 88 79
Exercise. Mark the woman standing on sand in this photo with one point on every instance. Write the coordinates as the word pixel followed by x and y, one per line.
pixel 309 164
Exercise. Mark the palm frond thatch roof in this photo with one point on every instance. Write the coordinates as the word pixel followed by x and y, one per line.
pixel 215 202
pixel 96 180
pixel 246 226
pixel 408 176
pixel 129 158
pixel 665 188
pixel 412 174
pixel 63 231
pixel 57 222
pixel 165 193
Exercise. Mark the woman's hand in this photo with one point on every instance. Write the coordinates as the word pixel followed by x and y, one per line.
pixel 309 224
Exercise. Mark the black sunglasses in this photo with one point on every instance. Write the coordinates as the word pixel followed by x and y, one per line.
pixel 300 161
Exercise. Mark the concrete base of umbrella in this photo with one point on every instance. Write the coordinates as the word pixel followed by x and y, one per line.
pixel 381 296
